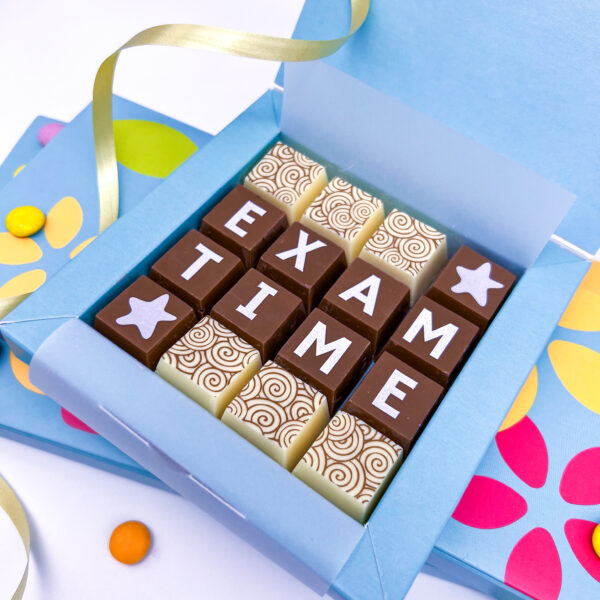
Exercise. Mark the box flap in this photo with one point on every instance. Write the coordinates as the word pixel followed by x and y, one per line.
pixel 520 78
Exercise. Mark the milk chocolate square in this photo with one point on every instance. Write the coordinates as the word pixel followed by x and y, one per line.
pixel 288 179
pixel 245 224
pixel 210 364
pixel 408 250
pixel 395 399
pixel 198 270
pixel 350 464
pixel 472 286
pixel 144 320
pixel 304 262
pixel 279 413
pixel 327 354
pixel 346 215
pixel 368 300
pixel 260 311
pixel 434 340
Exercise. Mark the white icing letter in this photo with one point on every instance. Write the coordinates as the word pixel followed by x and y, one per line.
pixel 206 254
pixel 317 336
pixel 264 291
pixel 357 291
pixel 424 322
pixel 390 389
pixel 244 215
pixel 301 251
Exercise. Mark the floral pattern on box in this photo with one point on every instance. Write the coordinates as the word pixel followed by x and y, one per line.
pixel 528 514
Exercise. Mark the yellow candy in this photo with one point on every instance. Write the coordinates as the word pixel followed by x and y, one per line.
pixel 596 540
pixel 130 542
pixel 24 221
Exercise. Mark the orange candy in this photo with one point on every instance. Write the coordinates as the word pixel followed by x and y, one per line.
pixel 130 542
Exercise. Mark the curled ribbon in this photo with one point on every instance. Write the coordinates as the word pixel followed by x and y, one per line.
pixel 11 505
pixel 201 37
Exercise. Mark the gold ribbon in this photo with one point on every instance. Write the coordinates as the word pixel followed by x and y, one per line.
pixel 11 505
pixel 200 37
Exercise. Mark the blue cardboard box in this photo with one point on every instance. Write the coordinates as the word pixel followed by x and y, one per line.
pixel 45 175
pixel 358 127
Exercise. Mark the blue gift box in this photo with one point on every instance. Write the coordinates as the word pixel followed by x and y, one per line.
pixel 348 110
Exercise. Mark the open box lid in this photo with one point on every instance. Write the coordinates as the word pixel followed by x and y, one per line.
pixel 522 79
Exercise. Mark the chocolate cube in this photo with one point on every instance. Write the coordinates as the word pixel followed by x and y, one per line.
pixel 327 354
pixel 198 270
pixel 210 364
pixel 434 340
pixel 144 320
pixel 304 262
pixel 346 215
pixel 279 413
pixel 395 399
pixel 408 250
pixel 368 300
pixel 245 224
pixel 260 311
pixel 472 286
pixel 350 464
pixel 288 179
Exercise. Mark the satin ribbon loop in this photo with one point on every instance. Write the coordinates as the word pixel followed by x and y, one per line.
pixel 199 37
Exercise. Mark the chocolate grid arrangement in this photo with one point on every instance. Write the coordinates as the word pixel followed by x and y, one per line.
pixel 271 314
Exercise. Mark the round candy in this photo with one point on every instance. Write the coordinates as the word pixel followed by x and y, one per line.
pixel 48 131
pixel 24 221
pixel 130 542
pixel 596 540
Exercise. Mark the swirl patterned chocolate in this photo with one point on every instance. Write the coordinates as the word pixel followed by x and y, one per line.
pixel 279 407
pixel 350 463
pixel 208 362
pixel 407 249
pixel 287 178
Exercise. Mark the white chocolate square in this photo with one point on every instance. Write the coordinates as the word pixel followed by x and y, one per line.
pixel 408 250
pixel 350 464
pixel 346 215
pixel 210 364
pixel 278 413
pixel 288 179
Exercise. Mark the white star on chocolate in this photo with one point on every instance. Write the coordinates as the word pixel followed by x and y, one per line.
pixel 146 315
pixel 476 282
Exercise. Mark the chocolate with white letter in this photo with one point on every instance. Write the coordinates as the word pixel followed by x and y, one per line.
pixel 326 354
pixel 434 340
pixel 144 320
pixel 198 270
pixel 395 399
pixel 368 300
pixel 472 286
pixel 304 262
pixel 245 224
pixel 260 311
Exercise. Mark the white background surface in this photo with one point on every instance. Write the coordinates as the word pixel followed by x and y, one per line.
pixel 49 53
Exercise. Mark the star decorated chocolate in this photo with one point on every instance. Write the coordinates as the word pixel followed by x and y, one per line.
pixel 288 179
pixel 245 224
pixel 367 300
pixel 279 413
pixel 395 399
pixel 350 464
pixel 198 270
pixel 472 286
pixel 210 364
pixel 346 215
pixel 304 262
pixel 434 340
pixel 408 250
pixel 260 311
pixel 144 320
pixel 327 354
